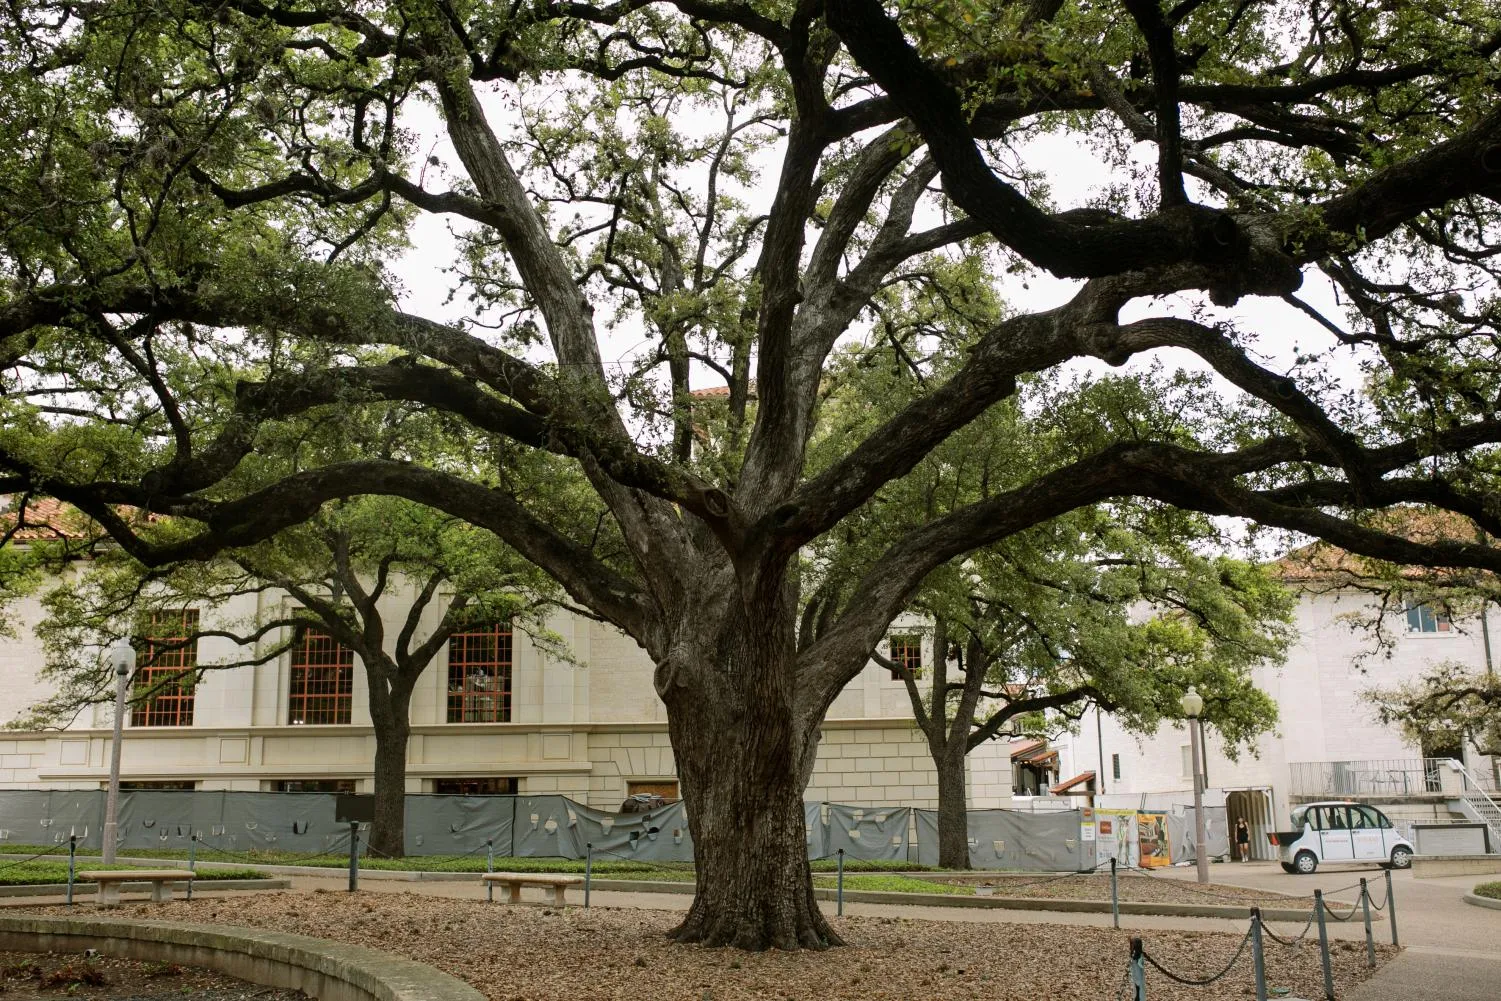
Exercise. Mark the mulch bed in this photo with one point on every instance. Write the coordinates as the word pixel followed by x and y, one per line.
pixel 32 976
pixel 535 953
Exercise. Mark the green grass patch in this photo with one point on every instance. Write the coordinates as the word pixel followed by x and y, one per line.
pixel 43 872
pixel 605 867
pixel 891 883
pixel 1491 890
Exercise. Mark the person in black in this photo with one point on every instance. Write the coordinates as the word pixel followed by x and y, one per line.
pixel 1243 840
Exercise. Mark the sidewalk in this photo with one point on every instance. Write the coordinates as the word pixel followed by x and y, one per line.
pixel 1452 950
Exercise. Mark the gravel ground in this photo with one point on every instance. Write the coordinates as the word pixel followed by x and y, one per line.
pixel 535 953
pixel 1132 887
pixel 28 976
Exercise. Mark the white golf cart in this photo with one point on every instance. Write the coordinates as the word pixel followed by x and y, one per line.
pixel 1340 832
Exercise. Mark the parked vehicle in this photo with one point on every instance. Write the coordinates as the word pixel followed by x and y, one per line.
pixel 1340 832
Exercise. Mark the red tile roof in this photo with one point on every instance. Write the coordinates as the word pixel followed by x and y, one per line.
pixel 1082 778
pixel 1326 563
pixel 44 518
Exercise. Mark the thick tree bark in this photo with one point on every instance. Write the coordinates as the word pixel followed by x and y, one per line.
pixel 388 831
pixel 953 821
pixel 740 761
pixel 390 720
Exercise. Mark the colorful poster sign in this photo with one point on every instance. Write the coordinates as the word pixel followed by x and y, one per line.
pixel 1153 844
pixel 1116 837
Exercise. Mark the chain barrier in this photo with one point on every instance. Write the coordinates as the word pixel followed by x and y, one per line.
pixel 1044 880
pixel 1190 981
pixel 428 860
pixel 1297 939
pixel 1354 910
pixel 660 865
pixel 32 858
pixel 334 853
pixel 1245 898
pixel 1375 906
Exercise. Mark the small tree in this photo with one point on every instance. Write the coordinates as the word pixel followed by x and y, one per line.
pixel 1453 701
pixel 367 573
pixel 1113 605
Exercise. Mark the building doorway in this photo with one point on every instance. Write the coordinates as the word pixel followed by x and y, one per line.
pixel 1255 807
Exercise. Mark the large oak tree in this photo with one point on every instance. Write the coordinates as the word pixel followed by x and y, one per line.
pixel 194 188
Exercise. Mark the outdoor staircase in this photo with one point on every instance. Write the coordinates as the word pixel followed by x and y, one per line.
pixel 1479 807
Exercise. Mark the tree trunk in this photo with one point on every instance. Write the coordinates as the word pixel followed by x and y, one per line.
pixel 739 757
pixel 953 821
pixel 392 724
pixel 388 830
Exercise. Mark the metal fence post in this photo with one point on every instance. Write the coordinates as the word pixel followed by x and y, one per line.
pixel 72 857
pixel 1370 943
pixel 1391 907
pixel 839 884
pixel 489 854
pixel 192 858
pixel 1115 898
pixel 1258 960
pixel 354 855
pixel 588 871
pixel 1318 909
pixel 1138 972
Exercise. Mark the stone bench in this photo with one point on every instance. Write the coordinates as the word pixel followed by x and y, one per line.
pixel 161 881
pixel 557 882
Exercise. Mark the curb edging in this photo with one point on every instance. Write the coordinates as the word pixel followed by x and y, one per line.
pixel 329 971
pixel 61 889
pixel 1477 901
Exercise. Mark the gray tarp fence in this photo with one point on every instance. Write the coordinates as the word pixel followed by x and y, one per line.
pixel 555 826
pixel 49 816
pixel 537 826
pixel 1180 831
pixel 458 825
pixel 1011 839
pixel 866 832
pixel 817 831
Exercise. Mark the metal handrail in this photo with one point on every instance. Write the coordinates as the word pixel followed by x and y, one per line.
pixel 1376 777
pixel 1473 788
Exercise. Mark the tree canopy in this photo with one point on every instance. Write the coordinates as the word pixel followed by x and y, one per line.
pixel 194 191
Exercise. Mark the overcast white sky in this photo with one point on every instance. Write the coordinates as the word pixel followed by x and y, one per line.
pixel 1074 172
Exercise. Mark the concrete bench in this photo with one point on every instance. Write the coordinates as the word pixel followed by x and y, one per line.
pixel 557 882
pixel 161 881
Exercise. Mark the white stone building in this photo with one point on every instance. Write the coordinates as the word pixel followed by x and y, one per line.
pixel 1328 743
pixel 594 730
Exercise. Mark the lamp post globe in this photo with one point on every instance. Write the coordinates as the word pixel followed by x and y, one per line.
pixel 122 657
pixel 1192 705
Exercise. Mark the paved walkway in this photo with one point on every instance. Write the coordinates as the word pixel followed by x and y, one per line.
pixel 1452 950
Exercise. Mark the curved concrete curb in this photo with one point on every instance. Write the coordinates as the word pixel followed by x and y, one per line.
pixel 60 889
pixel 1234 912
pixel 1494 905
pixel 329 971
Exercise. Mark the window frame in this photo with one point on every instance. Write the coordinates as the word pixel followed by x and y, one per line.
pixel 324 786
pixel 340 698
pixel 174 702
pixel 1421 613
pixel 909 642
pixel 512 783
pixel 502 669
